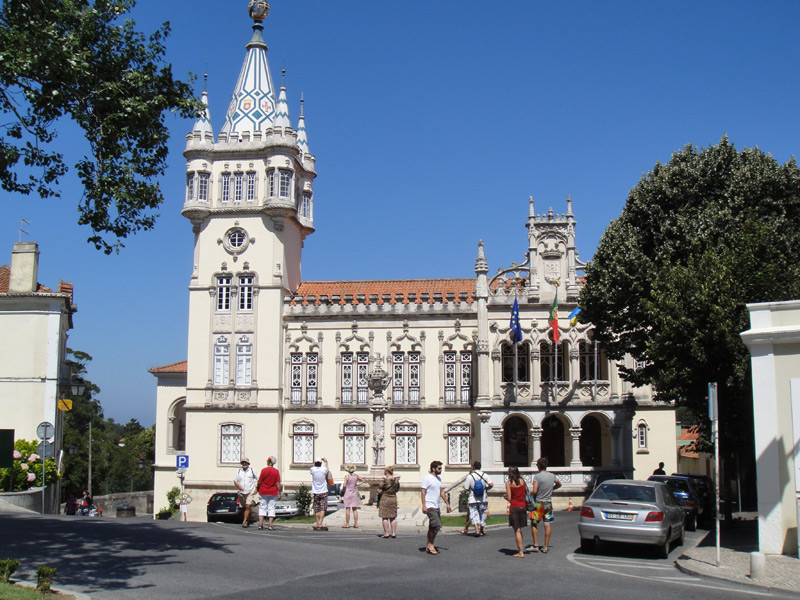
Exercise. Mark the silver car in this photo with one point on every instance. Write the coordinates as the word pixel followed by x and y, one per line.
pixel 639 512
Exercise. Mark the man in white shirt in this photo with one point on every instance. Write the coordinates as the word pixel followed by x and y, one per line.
pixel 320 478
pixel 430 493
pixel 478 485
pixel 245 480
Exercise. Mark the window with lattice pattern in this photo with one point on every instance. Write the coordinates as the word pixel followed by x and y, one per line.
pixel 458 444
pixel 303 443
pixel 354 443
pixel 405 444
pixel 230 443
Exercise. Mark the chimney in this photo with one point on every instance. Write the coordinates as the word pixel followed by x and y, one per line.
pixel 24 268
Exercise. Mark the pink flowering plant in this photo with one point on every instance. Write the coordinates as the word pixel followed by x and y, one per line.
pixel 27 469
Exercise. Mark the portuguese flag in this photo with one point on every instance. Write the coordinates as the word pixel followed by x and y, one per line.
pixel 553 320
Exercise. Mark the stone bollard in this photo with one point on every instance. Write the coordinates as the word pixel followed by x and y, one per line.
pixel 757 565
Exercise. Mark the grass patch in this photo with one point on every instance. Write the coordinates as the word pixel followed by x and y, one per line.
pixel 9 591
pixel 450 521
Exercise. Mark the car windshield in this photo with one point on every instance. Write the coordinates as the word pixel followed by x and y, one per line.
pixel 678 485
pixel 220 497
pixel 619 491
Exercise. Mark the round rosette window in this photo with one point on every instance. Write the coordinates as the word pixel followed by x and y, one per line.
pixel 236 240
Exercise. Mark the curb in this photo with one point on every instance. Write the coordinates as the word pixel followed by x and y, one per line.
pixel 683 567
pixel 63 590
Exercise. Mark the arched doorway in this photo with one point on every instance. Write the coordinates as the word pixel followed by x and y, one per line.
pixel 553 441
pixel 591 442
pixel 515 443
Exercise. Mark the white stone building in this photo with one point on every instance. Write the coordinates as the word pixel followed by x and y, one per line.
pixel 34 321
pixel 280 366
pixel 774 343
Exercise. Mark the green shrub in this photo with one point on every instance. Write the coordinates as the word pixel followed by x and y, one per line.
pixel 44 578
pixel 27 469
pixel 303 499
pixel 7 568
pixel 172 503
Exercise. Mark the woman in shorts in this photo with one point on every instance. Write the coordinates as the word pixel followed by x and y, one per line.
pixel 517 515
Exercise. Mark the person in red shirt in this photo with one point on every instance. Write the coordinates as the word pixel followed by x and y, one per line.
pixel 269 487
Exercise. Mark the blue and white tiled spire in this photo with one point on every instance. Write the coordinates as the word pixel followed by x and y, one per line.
pixel 302 138
pixel 253 106
pixel 281 122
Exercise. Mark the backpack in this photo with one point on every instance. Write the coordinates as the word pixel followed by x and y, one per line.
pixel 478 489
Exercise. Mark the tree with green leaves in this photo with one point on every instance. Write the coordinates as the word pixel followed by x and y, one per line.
pixel 699 238
pixel 81 60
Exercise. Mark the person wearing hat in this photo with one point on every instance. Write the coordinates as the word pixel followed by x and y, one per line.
pixel 269 490
pixel 245 480
pixel 350 493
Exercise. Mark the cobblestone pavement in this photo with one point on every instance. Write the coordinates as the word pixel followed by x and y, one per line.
pixel 736 545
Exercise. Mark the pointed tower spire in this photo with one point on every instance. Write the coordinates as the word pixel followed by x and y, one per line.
pixel 569 206
pixel 281 121
pixel 253 106
pixel 302 138
pixel 202 130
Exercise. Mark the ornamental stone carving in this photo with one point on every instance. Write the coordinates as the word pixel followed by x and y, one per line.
pixel 497 433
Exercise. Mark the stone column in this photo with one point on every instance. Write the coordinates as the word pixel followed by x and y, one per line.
pixel 497 446
pixel 575 432
pixel 486 437
pixel 377 382
pixel 615 446
pixel 536 436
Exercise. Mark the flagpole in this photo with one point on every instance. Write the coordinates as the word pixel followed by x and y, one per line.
pixel 595 370
pixel 516 361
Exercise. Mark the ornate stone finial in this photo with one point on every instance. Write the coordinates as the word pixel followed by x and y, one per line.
pixel 481 265
pixel 301 103
pixel 258 10
pixel 531 214
pixel 569 206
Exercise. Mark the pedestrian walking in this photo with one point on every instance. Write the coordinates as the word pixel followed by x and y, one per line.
pixel 269 488
pixel 660 470
pixel 430 494
pixel 387 507
pixel 544 483
pixel 320 478
pixel 478 484
pixel 517 515
pixel 350 495
pixel 245 481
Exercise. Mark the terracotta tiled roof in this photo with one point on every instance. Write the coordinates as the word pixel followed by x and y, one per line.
pixel 393 291
pixel 178 367
pixel 689 437
pixel 64 287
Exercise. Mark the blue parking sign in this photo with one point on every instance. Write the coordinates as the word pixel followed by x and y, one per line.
pixel 182 461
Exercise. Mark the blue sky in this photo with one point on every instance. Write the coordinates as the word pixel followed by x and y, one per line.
pixel 432 123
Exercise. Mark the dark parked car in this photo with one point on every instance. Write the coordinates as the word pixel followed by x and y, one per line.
pixel 705 487
pixel 686 494
pixel 601 477
pixel 224 506
pixel 638 512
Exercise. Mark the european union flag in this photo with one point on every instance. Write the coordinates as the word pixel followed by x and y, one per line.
pixel 516 330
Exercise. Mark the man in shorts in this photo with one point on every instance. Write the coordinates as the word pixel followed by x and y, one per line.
pixel 269 489
pixel 245 481
pixel 320 477
pixel 543 485
pixel 430 494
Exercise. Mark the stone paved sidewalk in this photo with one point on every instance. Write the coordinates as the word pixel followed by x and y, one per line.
pixel 737 543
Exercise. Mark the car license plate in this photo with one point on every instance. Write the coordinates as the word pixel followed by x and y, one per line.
pixel 223 510
pixel 620 516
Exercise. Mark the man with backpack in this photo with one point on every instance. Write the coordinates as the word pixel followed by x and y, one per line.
pixel 478 485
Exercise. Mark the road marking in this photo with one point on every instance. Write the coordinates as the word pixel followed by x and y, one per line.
pixel 576 560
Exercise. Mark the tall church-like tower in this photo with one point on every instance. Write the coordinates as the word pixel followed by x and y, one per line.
pixel 249 198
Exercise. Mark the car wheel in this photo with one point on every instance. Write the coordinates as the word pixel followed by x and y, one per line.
pixel 663 549
pixel 682 537
pixel 587 545
pixel 691 523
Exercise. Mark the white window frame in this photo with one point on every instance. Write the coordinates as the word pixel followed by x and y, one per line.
pixel 304 378
pixel 225 187
pixel 203 186
pixel 303 441
pixel 271 183
pixel 251 187
pixel 458 443
pixel 305 205
pixel 406 436
pixel 642 435
pixel 246 283
pixel 354 435
pixel 354 371
pixel 232 436
pixel 238 186
pixel 190 187
pixel 285 177
pixel 224 283
pixel 222 361
pixel 244 361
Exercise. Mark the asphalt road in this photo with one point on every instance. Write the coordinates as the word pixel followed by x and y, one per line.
pixel 140 558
